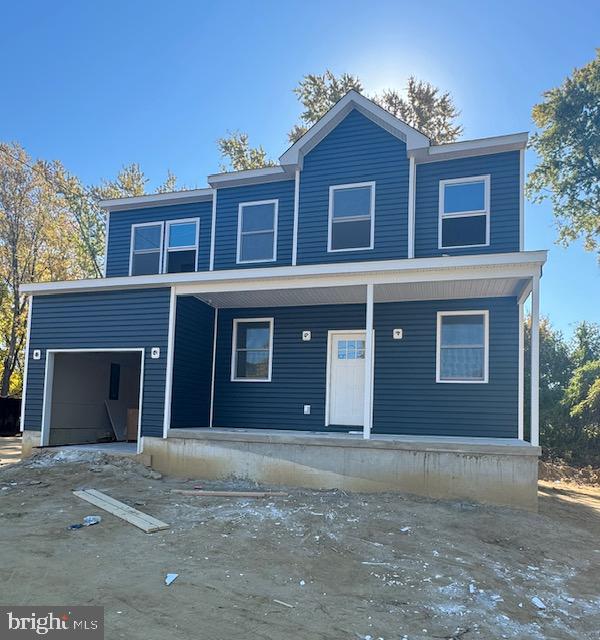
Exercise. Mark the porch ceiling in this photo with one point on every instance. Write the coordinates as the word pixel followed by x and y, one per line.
pixel 388 292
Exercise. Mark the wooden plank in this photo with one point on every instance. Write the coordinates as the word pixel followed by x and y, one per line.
pixel 141 520
pixel 229 494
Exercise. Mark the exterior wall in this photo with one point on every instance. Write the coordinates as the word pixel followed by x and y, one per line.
pixel 228 201
pixel 192 363
pixel 504 202
pixel 502 475
pixel 357 150
pixel 115 319
pixel 407 399
pixel 119 232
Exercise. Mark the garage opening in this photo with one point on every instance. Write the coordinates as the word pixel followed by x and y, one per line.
pixel 92 397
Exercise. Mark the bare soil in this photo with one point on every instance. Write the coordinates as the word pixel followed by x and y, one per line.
pixel 326 565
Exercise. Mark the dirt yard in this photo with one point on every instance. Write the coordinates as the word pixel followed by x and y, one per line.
pixel 324 565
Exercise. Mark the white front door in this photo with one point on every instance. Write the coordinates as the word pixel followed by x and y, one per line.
pixel 347 379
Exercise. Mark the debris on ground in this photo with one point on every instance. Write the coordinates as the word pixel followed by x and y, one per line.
pixel 90 521
pixel 538 603
pixel 170 578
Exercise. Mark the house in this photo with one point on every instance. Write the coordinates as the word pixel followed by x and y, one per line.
pixel 352 317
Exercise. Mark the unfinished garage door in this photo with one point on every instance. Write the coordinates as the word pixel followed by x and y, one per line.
pixel 93 397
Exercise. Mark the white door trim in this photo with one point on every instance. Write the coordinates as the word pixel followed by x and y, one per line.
pixel 49 380
pixel 330 334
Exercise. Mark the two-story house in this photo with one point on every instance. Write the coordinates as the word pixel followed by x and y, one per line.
pixel 352 317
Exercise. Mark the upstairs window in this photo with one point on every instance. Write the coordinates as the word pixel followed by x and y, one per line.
pixel 464 219
pixel 146 249
pixel 462 346
pixel 257 231
pixel 351 216
pixel 252 350
pixel 182 246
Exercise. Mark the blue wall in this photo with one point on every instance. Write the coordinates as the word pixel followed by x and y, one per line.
pixel 407 398
pixel 138 318
pixel 504 220
pixel 119 232
pixel 192 363
pixel 228 201
pixel 357 150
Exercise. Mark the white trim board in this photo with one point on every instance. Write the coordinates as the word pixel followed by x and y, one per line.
pixel 157 200
pixel 486 346
pixel 170 363
pixel 49 381
pixel 26 365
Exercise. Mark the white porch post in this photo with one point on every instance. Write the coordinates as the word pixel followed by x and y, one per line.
pixel 535 360
pixel 368 400
pixel 521 385
pixel 169 363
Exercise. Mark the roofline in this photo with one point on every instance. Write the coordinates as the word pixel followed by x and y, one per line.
pixel 529 259
pixel 411 136
pixel 477 147
pixel 249 176
pixel 157 199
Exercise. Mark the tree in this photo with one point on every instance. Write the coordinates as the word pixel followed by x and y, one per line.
pixel 424 108
pixel 568 147
pixel 585 344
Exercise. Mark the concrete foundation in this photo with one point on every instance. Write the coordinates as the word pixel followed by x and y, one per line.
pixel 487 470
pixel 29 441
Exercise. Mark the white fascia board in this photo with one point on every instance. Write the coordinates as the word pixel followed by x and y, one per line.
pixel 525 261
pixel 479 147
pixel 352 100
pixel 157 200
pixel 249 176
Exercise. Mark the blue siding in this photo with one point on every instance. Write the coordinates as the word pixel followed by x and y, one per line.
pixel 138 318
pixel 357 150
pixel 119 232
pixel 228 201
pixel 504 202
pixel 192 363
pixel 407 399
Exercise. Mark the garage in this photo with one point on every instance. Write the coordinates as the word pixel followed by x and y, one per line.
pixel 92 396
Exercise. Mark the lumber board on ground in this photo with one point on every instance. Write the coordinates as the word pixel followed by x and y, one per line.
pixel 143 521
pixel 229 494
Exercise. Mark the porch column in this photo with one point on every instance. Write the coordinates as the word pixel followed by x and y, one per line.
pixel 169 364
pixel 535 360
pixel 368 400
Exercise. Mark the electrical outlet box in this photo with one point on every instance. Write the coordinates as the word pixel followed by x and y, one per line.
pixel 155 353
pixel 306 336
pixel 306 409
pixel 37 354
pixel 397 334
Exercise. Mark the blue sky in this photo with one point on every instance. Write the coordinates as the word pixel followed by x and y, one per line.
pixel 100 84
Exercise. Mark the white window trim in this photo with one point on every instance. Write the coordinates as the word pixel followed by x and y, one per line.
pixel 354 185
pixel 190 247
pixel 465 214
pixel 239 231
pixel 236 322
pixel 157 223
pixel 486 346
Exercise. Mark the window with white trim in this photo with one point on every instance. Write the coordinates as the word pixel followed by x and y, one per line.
pixel 462 346
pixel 146 249
pixel 351 213
pixel 464 216
pixel 181 251
pixel 257 231
pixel 252 350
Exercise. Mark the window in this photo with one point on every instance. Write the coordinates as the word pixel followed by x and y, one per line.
pixel 464 219
pixel 351 350
pixel 257 231
pixel 462 346
pixel 146 249
pixel 351 213
pixel 252 350
pixel 182 246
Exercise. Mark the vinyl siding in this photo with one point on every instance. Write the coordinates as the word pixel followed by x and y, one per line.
pixel 407 399
pixel 192 363
pixel 116 319
pixel 357 150
pixel 119 232
pixel 228 201
pixel 503 169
